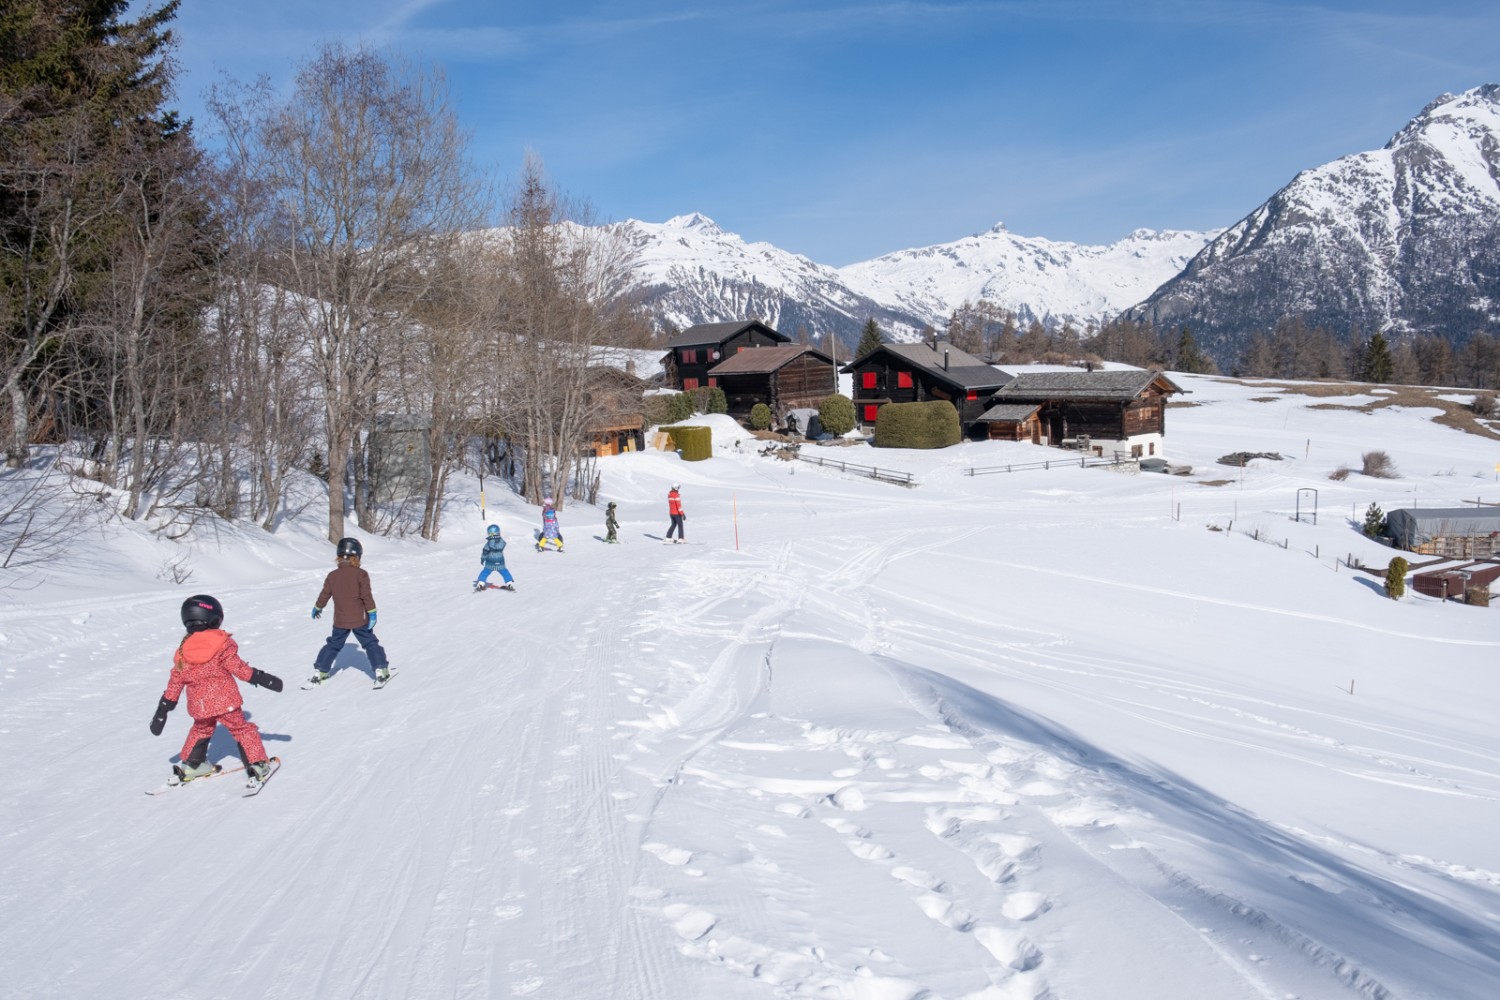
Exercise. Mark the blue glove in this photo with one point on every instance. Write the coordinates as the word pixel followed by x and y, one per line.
pixel 317 612
pixel 371 622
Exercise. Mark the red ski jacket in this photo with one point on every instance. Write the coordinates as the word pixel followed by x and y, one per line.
pixel 206 664
pixel 674 503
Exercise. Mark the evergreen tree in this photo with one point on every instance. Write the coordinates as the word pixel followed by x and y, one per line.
pixel 1374 520
pixel 1190 358
pixel 869 338
pixel 1395 578
pixel 82 93
pixel 1375 361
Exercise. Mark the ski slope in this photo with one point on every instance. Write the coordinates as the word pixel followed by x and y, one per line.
pixel 1066 734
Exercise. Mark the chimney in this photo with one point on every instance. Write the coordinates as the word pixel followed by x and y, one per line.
pixel 945 359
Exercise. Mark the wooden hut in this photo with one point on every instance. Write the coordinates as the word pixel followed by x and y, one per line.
pixel 1116 411
pixel 914 373
pixel 784 378
pixel 695 350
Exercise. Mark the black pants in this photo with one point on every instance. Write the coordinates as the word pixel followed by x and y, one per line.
pixel 677 526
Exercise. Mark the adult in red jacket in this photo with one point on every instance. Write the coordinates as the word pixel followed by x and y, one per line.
pixel 674 510
pixel 206 664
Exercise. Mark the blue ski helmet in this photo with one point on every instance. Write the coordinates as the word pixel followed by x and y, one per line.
pixel 492 530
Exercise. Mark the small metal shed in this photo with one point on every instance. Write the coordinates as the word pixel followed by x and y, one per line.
pixel 1456 582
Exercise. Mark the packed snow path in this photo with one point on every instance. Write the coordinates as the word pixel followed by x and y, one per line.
pixel 887 749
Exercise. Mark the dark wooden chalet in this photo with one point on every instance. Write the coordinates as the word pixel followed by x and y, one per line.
pixel 914 373
pixel 784 378
pixel 698 348
pixel 1103 411
pixel 617 409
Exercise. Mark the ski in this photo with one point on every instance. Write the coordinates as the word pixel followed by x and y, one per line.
pixel 175 782
pixel 218 771
pixel 495 586
pixel 382 683
pixel 309 684
pixel 255 788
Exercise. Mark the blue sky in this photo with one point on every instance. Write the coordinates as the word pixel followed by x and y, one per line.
pixel 843 131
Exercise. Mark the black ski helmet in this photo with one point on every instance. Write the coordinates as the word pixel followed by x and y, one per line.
pixel 350 547
pixel 201 612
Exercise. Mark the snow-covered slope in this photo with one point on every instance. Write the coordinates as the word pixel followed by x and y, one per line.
pixel 1067 733
pixel 1406 238
pixel 694 272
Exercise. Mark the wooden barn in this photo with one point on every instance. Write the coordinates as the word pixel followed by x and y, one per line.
pixel 1106 412
pixel 915 373
pixel 784 378
pixel 695 350
pixel 1012 422
pixel 1454 532
pixel 616 401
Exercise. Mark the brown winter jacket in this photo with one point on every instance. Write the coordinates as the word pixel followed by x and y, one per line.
pixel 349 586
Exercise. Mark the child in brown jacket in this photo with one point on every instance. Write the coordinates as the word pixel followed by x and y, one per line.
pixel 353 611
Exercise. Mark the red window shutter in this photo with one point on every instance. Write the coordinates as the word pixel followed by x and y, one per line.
pixel 872 412
pixel 972 395
pixel 713 380
pixel 867 380
pixel 689 383
pixel 739 349
pixel 689 356
pixel 903 380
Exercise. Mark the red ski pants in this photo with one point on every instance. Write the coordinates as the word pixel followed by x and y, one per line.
pixel 241 728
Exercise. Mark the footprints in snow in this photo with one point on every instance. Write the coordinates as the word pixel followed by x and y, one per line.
pixel 976 802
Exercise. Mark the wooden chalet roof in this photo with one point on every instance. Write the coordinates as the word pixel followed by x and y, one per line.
pixel 1003 413
pixel 717 333
pixel 1119 385
pixel 942 361
pixel 763 360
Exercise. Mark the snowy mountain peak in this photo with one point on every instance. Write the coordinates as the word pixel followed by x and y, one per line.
pixel 696 222
pixel 1395 239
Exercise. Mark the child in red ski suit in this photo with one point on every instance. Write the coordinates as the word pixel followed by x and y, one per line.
pixel 206 664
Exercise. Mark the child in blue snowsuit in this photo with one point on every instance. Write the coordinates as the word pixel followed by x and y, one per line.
pixel 493 558
pixel 550 531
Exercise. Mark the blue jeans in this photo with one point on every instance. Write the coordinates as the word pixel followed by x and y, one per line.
pixel 484 574
pixel 367 641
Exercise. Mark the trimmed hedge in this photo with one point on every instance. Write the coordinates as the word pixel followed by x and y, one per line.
pixel 658 409
pixel 695 443
pixel 709 399
pixel 933 424
pixel 681 407
pixel 836 413
pixel 760 417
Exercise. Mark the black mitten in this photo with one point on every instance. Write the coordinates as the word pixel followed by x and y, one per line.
pixel 159 720
pixel 262 679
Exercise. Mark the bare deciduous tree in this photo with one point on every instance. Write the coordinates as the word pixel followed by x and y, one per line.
pixel 561 281
pixel 368 168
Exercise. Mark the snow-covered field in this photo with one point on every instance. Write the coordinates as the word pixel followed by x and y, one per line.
pixel 1041 734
